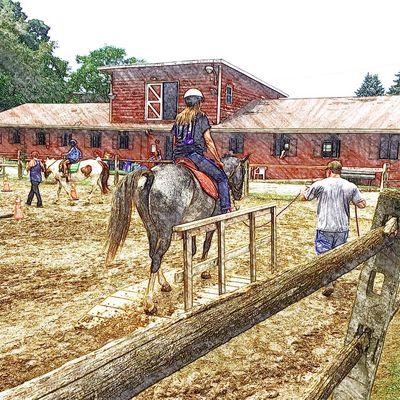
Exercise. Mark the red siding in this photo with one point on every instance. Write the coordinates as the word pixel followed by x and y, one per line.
pixel 140 147
pixel 128 105
pixel 357 150
pixel 245 90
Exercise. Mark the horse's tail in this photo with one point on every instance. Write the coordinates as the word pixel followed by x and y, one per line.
pixel 121 211
pixel 105 174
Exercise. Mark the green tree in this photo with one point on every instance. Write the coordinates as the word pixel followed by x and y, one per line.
pixel 87 83
pixel 395 88
pixel 29 71
pixel 371 86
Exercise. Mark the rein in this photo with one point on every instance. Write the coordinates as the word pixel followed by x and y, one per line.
pixel 277 215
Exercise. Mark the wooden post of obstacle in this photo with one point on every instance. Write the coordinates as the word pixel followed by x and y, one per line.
pixel 221 257
pixel 274 239
pixel 116 169
pixel 384 176
pixel 3 168
pixel 187 271
pixel 252 246
pixel 19 165
pixel 375 304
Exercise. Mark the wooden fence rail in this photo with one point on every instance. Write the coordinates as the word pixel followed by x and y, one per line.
pixel 219 224
pixel 125 367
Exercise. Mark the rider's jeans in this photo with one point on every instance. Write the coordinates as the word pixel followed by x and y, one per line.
pixel 219 176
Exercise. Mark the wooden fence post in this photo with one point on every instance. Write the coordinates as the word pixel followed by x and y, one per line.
pixel 375 304
pixel 384 176
pixel 3 168
pixel 187 271
pixel 19 165
pixel 116 169
pixel 221 257
pixel 252 246
pixel 273 239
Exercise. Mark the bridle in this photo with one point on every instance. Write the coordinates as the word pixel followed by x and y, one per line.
pixel 236 189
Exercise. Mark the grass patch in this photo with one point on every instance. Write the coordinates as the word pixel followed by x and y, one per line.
pixel 389 387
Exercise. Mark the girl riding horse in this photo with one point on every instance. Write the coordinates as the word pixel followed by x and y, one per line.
pixel 169 195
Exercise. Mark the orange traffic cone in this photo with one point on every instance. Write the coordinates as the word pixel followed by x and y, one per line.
pixel 74 194
pixel 18 214
pixel 6 185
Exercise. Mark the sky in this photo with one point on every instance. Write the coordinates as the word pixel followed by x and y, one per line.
pixel 305 48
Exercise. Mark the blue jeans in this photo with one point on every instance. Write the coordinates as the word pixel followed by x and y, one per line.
pixel 217 174
pixel 325 241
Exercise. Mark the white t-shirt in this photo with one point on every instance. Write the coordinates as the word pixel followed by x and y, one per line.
pixel 334 196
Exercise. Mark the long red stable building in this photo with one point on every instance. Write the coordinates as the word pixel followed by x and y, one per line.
pixel 287 138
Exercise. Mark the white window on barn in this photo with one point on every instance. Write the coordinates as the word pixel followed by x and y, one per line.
pixel 161 101
pixel 229 94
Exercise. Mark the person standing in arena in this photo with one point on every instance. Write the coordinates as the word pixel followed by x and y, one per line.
pixel 334 195
pixel 35 169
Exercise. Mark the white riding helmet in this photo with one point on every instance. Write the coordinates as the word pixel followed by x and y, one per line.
pixel 193 92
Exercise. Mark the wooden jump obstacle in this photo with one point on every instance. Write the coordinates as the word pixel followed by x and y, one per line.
pixel 12 163
pixel 219 223
pixel 127 366
pixel 366 173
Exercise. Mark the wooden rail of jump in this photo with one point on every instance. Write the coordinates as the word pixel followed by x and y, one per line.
pixel 125 367
pixel 219 223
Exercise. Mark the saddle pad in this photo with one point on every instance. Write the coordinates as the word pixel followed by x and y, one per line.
pixel 73 168
pixel 206 183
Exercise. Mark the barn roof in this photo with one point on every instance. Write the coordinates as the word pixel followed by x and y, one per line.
pixel 68 116
pixel 317 115
pixel 111 68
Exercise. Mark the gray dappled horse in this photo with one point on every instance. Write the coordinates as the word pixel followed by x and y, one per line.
pixel 165 196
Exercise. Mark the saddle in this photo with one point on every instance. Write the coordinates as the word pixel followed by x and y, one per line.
pixel 206 183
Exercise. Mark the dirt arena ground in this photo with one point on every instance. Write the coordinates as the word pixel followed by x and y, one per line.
pixel 52 273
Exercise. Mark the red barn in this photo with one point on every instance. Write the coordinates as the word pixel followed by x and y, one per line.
pixel 287 138
pixel 290 137
pixel 144 100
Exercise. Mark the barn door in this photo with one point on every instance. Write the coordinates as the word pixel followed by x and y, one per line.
pixel 170 100
pixel 154 93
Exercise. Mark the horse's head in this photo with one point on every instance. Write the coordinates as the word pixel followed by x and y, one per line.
pixel 235 171
pixel 47 164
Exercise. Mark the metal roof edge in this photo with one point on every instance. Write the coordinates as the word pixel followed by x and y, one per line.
pixel 222 129
pixel 165 128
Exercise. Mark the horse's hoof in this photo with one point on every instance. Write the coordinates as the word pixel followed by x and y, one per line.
pixel 206 275
pixel 166 287
pixel 152 311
